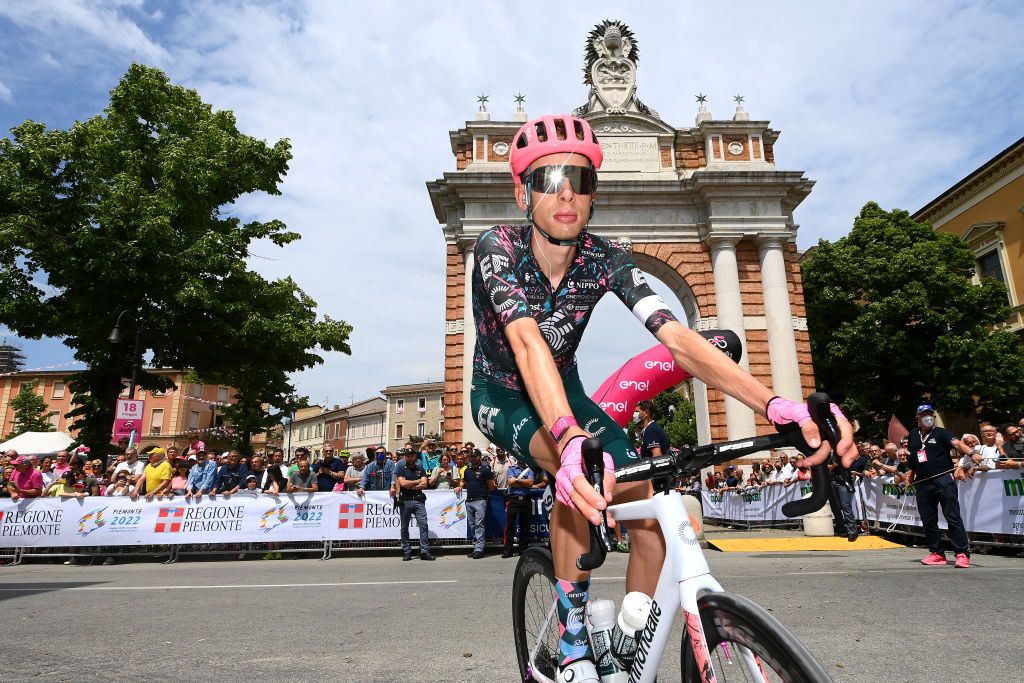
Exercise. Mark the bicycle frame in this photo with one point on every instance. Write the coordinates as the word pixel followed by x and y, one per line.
pixel 684 575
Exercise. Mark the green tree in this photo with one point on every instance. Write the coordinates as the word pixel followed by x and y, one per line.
pixel 30 412
pixel 894 318
pixel 676 414
pixel 132 211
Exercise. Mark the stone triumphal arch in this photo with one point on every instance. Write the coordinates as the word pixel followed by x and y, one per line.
pixel 703 208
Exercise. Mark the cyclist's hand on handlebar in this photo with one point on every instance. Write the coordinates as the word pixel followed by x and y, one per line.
pixel 782 411
pixel 574 490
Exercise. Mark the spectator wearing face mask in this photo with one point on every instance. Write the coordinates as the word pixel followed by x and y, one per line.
pixel 654 441
pixel 379 474
pixel 932 469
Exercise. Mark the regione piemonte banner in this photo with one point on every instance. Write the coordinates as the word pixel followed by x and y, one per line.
pixel 98 520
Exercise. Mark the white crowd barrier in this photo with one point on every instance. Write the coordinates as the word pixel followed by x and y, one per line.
pixel 752 505
pixel 990 503
pixel 241 518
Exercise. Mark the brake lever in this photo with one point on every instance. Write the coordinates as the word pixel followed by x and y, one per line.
pixel 819 405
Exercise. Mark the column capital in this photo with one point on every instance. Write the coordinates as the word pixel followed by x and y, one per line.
pixel 772 240
pixel 717 241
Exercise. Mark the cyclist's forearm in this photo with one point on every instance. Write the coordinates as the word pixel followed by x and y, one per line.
pixel 693 353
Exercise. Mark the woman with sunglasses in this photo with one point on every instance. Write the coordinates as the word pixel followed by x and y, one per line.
pixel 534 289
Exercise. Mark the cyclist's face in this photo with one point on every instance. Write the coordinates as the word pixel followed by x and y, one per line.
pixel 563 214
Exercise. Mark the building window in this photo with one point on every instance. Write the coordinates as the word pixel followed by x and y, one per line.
pixel 58 390
pixel 400 405
pixel 156 422
pixel 193 419
pixel 197 390
pixel 989 265
pixel 421 429
pixel 223 394
pixel 55 420
pixel 440 403
pixel 400 430
pixel 440 429
pixel 319 430
pixel 422 407
pixel 159 392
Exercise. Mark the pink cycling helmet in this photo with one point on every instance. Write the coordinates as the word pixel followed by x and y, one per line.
pixel 553 135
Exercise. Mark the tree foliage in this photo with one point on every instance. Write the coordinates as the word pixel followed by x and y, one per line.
pixel 30 412
pixel 894 318
pixel 132 210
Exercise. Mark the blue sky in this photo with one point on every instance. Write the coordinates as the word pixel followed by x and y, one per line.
pixel 891 102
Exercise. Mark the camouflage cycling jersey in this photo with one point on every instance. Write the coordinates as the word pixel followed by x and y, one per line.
pixel 508 284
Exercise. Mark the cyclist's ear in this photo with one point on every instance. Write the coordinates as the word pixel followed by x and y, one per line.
pixel 522 198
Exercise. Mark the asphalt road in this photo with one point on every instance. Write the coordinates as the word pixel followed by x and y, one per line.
pixel 867 616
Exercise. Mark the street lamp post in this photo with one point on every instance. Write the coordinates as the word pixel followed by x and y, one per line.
pixel 115 338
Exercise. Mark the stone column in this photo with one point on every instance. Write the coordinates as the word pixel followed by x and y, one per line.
pixel 779 317
pixel 469 428
pixel 729 303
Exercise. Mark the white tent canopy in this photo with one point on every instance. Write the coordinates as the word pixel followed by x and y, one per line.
pixel 38 443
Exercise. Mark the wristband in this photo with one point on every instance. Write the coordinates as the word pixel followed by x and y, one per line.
pixel 562 425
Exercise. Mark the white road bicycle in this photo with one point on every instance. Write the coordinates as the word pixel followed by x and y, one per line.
pixel 726 637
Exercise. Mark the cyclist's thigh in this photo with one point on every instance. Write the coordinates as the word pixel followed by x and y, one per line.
pixel 505 416
pixel 593 419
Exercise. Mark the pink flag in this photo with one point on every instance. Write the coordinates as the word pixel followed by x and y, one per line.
pixel 896 430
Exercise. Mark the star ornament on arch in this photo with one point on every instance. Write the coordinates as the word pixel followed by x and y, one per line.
pixel 701 98
pixel 483 99
pixel 739 99
pixel 520 98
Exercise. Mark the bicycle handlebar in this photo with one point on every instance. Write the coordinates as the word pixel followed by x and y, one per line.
pixel 695 459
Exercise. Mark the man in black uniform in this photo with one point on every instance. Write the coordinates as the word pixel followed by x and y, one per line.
pixel 932 473
pixel 653 439
pixel 410 479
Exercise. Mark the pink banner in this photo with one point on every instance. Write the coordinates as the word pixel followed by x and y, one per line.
pixel 652 372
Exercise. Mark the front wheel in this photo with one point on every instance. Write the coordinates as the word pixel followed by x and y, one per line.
pixel 731 623
pixel 534 615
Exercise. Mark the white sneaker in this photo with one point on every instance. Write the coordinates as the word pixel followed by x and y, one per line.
pixel 580 671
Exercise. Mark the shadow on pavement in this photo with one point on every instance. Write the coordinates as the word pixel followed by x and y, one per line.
pixel 17 590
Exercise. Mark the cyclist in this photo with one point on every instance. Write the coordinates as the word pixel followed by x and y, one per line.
pixel 534 289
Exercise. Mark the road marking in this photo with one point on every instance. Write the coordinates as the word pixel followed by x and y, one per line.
pixel 265 585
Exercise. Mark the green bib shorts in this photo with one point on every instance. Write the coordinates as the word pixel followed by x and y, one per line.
pixel 507 417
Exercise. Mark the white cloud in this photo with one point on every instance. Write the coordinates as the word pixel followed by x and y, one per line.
pixel 6 95
pixel 892 103
pixel 70 25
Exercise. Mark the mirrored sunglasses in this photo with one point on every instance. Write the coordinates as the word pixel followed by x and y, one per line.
pixel 551 179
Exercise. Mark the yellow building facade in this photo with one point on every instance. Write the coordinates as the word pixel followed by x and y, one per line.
pixel 986 209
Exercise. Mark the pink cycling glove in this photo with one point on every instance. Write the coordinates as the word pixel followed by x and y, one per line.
pixel 783 411
pixel 572 467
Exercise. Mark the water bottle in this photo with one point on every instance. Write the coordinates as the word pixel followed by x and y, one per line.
pixel 636 607
pixel 602 622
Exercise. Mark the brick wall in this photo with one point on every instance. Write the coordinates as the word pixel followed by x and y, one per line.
pixel 455 274
pixel 690 155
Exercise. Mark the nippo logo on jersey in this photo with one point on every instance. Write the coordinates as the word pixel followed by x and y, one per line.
pixel 351 515
pixel 170 520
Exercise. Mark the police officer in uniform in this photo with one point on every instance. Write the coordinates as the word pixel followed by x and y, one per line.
pixel 411 480
pixel 518 507
pixel 932 474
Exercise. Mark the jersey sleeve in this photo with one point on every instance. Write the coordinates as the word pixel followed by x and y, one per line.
pixel 493 256
pixel 627 281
